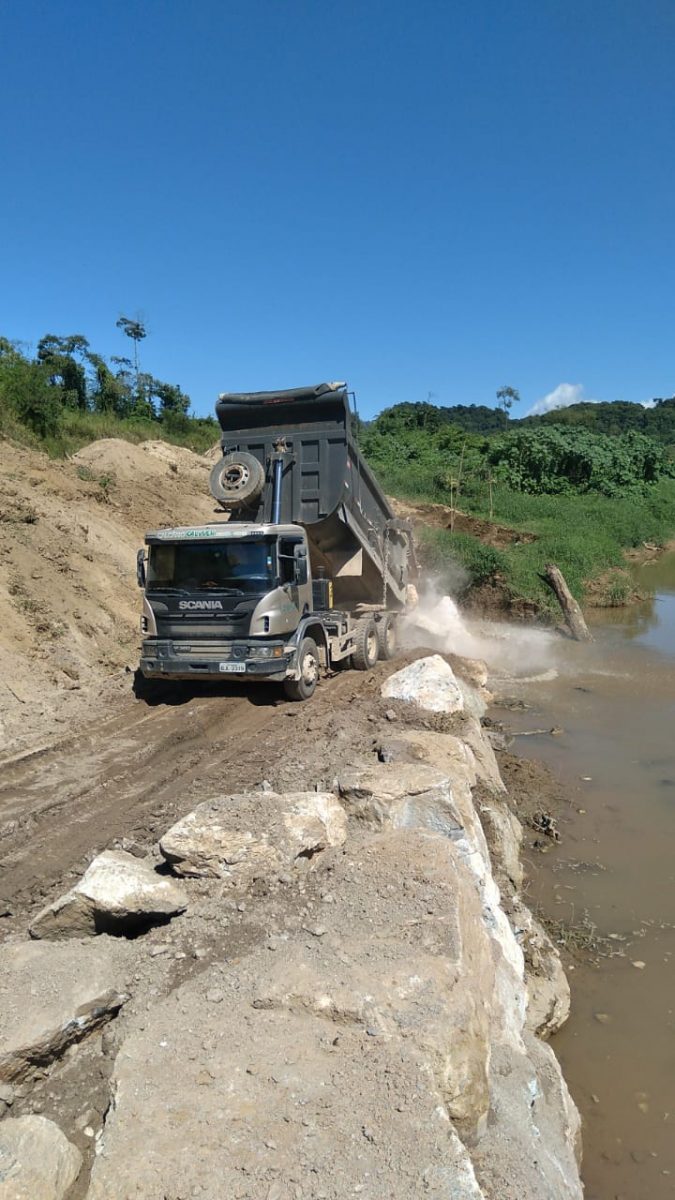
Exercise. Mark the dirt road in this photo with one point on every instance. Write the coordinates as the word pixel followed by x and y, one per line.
pixel 129 773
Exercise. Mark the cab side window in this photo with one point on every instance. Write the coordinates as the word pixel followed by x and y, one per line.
pixel 286 559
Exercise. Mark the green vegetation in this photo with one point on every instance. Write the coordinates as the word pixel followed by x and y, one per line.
pixel 618 416
pixel 68 395
pixel 612 418
pixel 585 496
pixel 588 481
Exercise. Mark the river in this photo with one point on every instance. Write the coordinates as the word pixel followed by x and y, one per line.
pixel 614 873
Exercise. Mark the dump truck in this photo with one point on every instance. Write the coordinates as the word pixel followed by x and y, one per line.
pixel 307 569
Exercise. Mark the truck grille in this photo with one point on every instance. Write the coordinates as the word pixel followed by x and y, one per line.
pixel 205 650
pixel 234 625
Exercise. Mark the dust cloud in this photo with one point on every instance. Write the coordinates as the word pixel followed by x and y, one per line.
pixel 509 650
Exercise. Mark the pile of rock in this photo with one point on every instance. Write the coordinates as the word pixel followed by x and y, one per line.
pixel 384 1040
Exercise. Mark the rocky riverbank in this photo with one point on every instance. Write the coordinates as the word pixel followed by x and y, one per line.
pixel 294 994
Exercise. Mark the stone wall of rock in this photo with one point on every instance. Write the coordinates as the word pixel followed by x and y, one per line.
pixel 368 1017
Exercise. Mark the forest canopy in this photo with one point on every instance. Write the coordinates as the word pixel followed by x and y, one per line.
pixel 65 373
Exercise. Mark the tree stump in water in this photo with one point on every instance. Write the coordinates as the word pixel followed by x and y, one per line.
pixel 571 609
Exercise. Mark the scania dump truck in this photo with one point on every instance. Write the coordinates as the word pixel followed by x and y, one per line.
pixel 308 567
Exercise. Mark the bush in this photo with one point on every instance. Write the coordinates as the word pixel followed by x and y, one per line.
pixel 560 461
pixel 27 395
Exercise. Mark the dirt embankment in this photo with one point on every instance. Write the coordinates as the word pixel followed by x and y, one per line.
pixel 491 533
pixel 493 597
pixel 69 532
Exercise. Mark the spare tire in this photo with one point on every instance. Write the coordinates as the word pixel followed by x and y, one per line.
pixel 237 480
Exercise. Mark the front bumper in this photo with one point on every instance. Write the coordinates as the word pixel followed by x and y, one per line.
pixel 162 660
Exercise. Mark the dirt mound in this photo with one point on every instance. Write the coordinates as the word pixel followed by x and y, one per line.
pixel 441 517
pixel 147 461
pixel 69 605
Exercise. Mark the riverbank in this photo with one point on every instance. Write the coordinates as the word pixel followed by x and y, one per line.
pixel 495 561
pixel 600 874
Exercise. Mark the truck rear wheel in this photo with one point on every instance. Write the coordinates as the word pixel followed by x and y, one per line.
pixel 388 638
pixel 366 645
pixel 308 665
pixel 237 480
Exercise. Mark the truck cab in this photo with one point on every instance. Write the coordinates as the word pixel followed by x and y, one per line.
pixel 224 599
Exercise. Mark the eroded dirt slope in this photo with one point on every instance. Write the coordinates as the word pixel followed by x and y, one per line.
pixel 69 531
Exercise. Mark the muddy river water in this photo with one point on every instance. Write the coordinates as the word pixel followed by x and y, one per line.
pixel 612 879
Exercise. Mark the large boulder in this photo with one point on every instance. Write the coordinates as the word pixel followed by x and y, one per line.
pixel 427 751
pixel 401 794
pixel 241 837
pixel 50 997
pixel 534 1145
pixel 360 1051
pixel 418 796
pixel 548 991
pixel 118 893
pixel 331 1060
pixel 429 683
pixel 504 835
pixel 37 1162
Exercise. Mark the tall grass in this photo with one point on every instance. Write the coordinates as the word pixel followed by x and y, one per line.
pixel 77 429
pixel 584 534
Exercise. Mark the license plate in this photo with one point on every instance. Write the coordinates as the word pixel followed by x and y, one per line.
pixel 232 668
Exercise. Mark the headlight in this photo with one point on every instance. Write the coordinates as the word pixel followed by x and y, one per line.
pixel 266 651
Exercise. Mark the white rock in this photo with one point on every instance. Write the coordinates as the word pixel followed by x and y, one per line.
pixel 348 1051
pixel 401 794
pixel 548 992
pixel 37 1162
pixel 429 683
pixel 118 892
pixel 241 837
pixel 50 997
pixel 416 795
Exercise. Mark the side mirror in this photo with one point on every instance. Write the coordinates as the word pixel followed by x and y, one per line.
pixel 140 568
pixel 300 572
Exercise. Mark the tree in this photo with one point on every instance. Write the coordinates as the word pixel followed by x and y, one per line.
pixel 27 391
pixel 506 396
pixel 113 392
pixel 64 359
pixel 171 399
pixel 134 329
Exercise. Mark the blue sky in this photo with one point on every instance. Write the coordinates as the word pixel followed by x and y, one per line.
pixel 427 197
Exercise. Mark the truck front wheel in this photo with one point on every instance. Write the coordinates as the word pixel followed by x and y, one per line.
pixel 366 645
pixel 308 665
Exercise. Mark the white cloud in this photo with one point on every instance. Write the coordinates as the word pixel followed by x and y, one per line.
pixel 561 397
pixel 569 393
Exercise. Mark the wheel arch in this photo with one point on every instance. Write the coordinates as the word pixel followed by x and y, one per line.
pixel 310 627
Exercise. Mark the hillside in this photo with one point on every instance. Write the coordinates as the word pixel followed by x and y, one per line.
pixel 69 607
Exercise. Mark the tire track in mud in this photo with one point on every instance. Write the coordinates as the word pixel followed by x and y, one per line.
pixel 132 772
pixel 76 796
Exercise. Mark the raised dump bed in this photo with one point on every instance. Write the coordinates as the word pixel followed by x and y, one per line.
pixel 290 457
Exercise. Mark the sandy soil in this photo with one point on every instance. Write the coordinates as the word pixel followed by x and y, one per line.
pixel 69 606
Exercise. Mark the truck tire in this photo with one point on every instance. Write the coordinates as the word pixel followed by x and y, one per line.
pixel 366 645
pixel 388 638
pixel 308 664
pixel 237 480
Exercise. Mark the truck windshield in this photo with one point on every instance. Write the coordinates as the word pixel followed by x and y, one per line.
pixel 225 566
